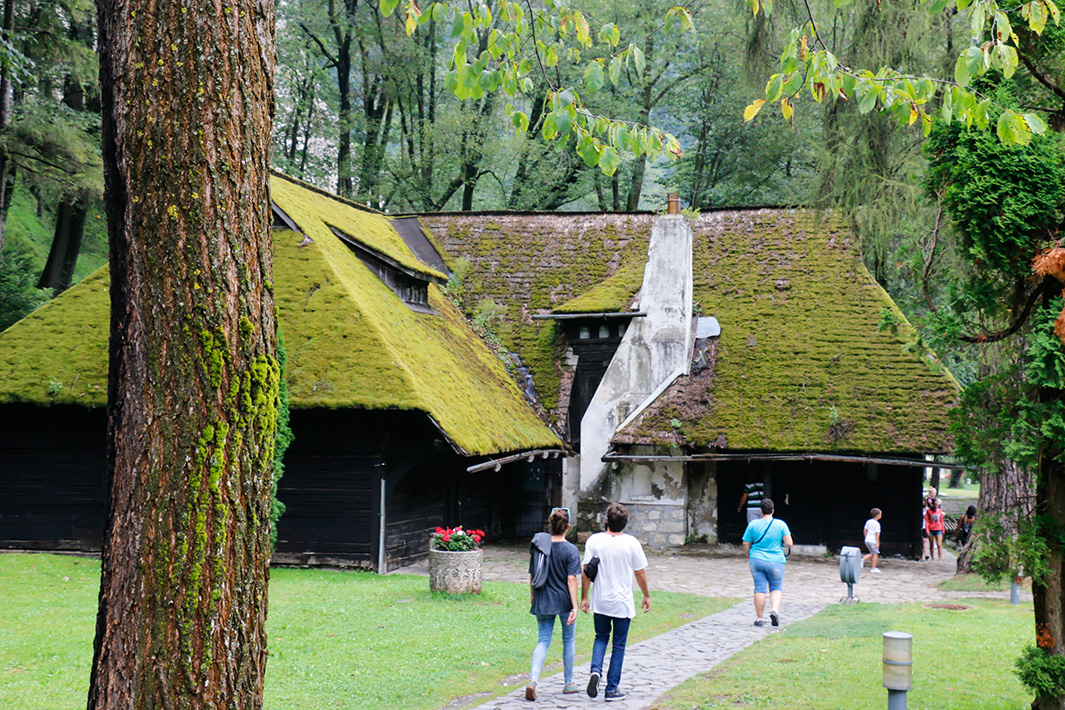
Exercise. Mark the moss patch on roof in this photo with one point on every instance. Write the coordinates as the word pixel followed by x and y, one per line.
pixel 351 341
pixel 531 264
pixel 58 353
pixel 616 293
pixel 801 364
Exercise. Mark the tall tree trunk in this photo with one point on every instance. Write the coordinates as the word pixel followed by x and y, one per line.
pixel 345 184
pixel 7 94
pixel 73 208
pixel 193 382
pixel 1008 496
pixel 66 244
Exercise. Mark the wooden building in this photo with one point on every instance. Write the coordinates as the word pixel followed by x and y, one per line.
pixel 404 419
pixel 800 370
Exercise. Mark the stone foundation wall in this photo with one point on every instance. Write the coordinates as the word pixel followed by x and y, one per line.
pixel 657 525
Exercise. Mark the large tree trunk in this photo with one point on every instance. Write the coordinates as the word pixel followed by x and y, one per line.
pixel 193 386
pixel 345 183
pixel 66 245
pixel 1010 497
pixel 7 94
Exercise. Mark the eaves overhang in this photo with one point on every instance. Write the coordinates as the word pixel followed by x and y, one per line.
pixel 613 457
pixel 575 316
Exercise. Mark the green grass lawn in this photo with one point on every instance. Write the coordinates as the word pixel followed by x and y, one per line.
pixel 338 639
pixel 976 583
pixel 962 660
pixel 968 491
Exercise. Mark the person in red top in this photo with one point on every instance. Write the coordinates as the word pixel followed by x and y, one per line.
pixel 933 522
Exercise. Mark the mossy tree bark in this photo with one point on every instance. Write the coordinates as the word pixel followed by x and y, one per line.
pixel 187 96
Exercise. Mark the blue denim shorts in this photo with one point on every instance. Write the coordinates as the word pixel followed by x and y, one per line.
pixel 767 574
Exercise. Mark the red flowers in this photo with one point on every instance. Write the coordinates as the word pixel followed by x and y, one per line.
pixel 456 539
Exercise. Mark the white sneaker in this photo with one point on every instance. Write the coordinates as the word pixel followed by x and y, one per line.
pixel 875 569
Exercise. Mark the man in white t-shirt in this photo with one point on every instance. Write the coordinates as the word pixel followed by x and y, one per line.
pixel 620 558
pixel 872 538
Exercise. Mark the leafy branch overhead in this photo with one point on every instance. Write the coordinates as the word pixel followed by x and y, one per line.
pixel 807 65
pixel 503 46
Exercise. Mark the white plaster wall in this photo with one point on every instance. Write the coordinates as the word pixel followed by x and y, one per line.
pixel 571 474
pixel 654 350
pixel 652 483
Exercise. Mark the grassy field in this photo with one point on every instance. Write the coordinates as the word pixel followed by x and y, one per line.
pixel 976 583
pixel 347 640
pixel 962 660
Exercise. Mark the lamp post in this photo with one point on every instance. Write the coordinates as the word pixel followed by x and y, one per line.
pixel 898 667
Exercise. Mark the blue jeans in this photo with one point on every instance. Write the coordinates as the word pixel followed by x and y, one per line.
pixel 545 625
pixel 603 626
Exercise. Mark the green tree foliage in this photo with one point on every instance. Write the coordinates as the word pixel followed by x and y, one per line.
pixel 54 139
pixel 18 295
pixel 283 438
pixel 487 150
pixel 810 67
pixel 1007 204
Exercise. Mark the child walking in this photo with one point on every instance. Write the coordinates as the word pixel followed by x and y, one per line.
pixel 872 538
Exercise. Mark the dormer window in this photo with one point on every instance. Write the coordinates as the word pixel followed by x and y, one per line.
pixel 411 286
pixel 282 220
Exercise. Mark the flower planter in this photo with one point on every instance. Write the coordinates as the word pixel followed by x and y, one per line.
pixel 455 572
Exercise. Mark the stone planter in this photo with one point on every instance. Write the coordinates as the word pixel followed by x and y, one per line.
pixel 455 572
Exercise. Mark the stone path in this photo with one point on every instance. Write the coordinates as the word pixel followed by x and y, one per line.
pixel 722 571
pixel 657 664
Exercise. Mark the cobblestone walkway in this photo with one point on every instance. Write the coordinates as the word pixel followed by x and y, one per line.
pixel 657 664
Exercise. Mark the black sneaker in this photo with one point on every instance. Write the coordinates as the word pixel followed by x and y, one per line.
pixel 774 617
pixel 593 685
pixel 616 695
pixel 759 622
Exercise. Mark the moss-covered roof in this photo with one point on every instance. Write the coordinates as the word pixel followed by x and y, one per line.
pixel 351 341
pixel 801 364
pixel 534 263
pixel 615 294
pixel 58 353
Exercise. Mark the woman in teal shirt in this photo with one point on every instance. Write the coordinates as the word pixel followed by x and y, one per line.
pixel 763 540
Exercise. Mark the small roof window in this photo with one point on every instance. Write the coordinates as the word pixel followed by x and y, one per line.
pixel 411 286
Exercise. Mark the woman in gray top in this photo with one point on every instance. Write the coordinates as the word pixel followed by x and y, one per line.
pixel 557 596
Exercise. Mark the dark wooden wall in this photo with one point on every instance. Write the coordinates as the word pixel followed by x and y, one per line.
pixel 415 506
pixel 53 468
pixel 53 487
pixel 827 503
pixel 329 488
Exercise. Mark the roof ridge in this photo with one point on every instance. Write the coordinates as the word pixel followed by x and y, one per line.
pixel 330 195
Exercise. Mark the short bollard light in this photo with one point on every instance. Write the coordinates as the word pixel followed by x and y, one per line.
pixel 898 667
pixel 850 571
